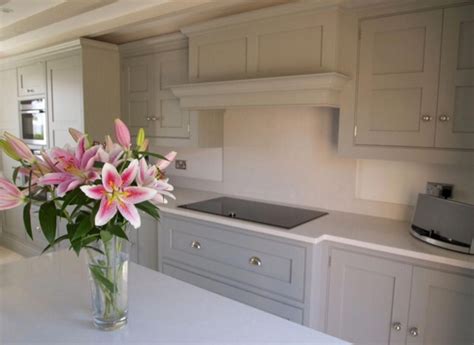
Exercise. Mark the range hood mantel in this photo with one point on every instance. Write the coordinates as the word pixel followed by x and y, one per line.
pixel 314 90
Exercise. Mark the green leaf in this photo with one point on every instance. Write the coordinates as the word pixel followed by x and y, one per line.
pixel 157 155
pixel 83 228
pixel 15 174
pixel 149 208
pixel 56 241
pixel 98 165
pixel 27 219
pixel 47 218
pixel 105 236
pixel 70 197
pixel 71 229
pixel 101 279
pixel 117 231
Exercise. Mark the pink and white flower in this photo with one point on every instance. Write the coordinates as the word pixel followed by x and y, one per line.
pixel 10 195
pixel 116 194
pixel 147 177
pixel 122 134
pixel 71 170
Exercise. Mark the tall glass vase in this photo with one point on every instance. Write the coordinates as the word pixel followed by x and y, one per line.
pixel 108 272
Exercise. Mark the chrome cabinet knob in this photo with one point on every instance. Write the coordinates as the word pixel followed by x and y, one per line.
pixel 148 118
pixel 154 118
pixel 255 261
pixel 426 118
pixel 397 326
pixel 196 245
pixel 444 118
pixel 414 332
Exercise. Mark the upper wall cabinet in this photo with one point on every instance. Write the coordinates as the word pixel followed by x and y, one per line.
pixel 455 126
pixel 31 79
pixel 282 41
pixel 416 80
pixel 148 70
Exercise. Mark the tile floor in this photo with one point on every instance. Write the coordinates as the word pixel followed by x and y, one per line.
pixel 6 255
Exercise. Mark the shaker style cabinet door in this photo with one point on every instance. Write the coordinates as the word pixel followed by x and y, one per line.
pixel 31 79
pixel 455 116
pixel 138 108
pixel 398 80
pixel 441 309
pixel 65 101
pixel 170 121
pixel 368 299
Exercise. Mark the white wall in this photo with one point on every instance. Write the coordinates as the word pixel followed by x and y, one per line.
pixel 289 155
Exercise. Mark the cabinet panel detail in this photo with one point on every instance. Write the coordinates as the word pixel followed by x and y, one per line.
pixel 466 45
pixel 225 59
pixel 463 108
pixel 399 51
pixel 395 109
pixel 138 78
pixel 281 52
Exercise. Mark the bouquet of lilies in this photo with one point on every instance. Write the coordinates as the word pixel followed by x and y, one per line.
pixel 96 188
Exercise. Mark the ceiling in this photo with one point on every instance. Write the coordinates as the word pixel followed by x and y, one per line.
pixel 30 24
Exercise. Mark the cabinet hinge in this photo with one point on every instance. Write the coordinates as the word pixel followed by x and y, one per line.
pixel 355 131
pixel 329 261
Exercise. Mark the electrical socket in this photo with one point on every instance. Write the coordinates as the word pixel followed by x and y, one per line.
pixel 441 190
pixel 180 164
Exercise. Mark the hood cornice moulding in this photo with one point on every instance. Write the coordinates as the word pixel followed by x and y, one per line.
pixel 319 89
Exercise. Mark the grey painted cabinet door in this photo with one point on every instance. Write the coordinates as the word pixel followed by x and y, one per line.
pixel 455 118
pixel 368 297
pixel 441 308
pixel 31 79
pixel 398 79
pixel 144 242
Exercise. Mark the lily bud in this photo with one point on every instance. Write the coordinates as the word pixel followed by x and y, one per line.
pixel 122 134
pixel 144 146
pixel 8 150
pixel 20 148
pixel 140 137
pixel 75 134
pixel 162 164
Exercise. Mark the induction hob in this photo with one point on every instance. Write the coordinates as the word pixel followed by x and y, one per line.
pixel 281 216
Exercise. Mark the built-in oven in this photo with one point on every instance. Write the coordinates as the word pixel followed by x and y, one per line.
pixel 34 122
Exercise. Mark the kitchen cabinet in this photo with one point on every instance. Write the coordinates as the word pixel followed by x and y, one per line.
pixel 9 116
pixel 455 118
pixel 441 308
pixel 285 40
pixel 83 91
pixel 31 79
pixel 368 298
pixel 262 271
pixel 147 100
pixel 415 80
pixel 144 242
pixel 148 69
pixel 374 300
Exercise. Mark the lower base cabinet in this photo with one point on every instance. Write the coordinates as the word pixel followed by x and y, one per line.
pixel 379 301
pixel 144 242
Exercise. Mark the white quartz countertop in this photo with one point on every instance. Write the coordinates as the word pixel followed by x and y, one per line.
pixel 386 235
pixel 46 300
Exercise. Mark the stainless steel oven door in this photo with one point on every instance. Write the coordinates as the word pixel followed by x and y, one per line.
pixel 34 127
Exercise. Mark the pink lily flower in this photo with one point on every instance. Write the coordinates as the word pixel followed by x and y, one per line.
pixel 20 148
pixel 162 164
pixel 10 195
pixel 71 170
pixel 113 153
pixel 146 177
pixel 116 194
pixel 122 134
pixel 75 134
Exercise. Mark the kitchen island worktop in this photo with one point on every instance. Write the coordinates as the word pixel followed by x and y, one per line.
pixel 46 300
pixel 382 234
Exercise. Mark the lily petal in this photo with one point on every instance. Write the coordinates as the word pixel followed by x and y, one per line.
pixel 110 177
pixel 94 192
pixel 136 195
pixel 75 134
pixel 129 174
pixel 130 213
pixel 9 187
pixel 53 179
pixel 107 209
pixel 163 164
pixel 122 134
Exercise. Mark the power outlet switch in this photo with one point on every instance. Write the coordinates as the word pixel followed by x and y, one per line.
pixel 180 164
pixel 441 190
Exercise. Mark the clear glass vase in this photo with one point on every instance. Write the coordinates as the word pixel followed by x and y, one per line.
pixel 108 272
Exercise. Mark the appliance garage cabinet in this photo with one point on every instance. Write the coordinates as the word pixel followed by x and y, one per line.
pixel 374 299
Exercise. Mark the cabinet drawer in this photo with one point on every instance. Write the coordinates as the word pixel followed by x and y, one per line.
pixel 273 307
pixel 259 262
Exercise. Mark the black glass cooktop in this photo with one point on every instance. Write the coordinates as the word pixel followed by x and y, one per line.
pixel 258 212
